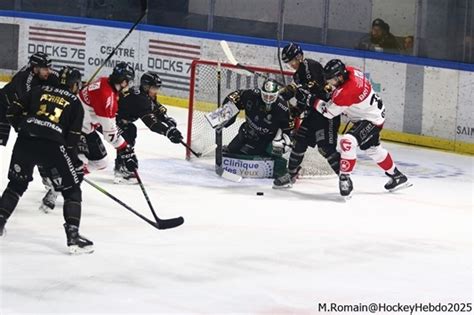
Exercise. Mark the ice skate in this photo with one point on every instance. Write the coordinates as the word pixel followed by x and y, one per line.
pixel 397 181
pixel 122 176
pixel 345 186
pixel 49 201
pixel 76 243
pixel 283 182
pixel 287 180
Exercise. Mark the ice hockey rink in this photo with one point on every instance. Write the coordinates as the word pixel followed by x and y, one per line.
pixel 239 253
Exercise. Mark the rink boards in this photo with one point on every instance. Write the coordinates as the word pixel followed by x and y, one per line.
pixel 426 105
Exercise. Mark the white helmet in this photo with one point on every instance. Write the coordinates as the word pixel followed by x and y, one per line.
pixel 269 91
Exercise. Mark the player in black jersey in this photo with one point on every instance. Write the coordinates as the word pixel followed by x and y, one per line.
pixel 141 103
pixel 48 120
pixel 267 125
pixel 307 86
pixel 37 72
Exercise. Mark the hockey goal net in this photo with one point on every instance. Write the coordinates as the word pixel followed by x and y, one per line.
pixel 203 99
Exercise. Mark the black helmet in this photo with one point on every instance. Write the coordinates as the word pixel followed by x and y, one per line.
pixel 333 68
pixel 122 71
pixel 269 91
pixel 40 59
pixel 69 76
pixel 150 78
pixel 290 51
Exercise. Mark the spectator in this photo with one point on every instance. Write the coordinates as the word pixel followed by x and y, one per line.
pixel 408 45
pixel 379 38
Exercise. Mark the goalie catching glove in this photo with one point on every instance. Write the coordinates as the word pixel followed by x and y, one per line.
pixel 281 144
pixel 128 158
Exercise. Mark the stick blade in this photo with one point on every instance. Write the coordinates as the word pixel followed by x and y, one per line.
pixel 228 53
pixel 170 223
pixel 228 175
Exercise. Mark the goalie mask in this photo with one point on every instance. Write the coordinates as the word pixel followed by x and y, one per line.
pixel 269 93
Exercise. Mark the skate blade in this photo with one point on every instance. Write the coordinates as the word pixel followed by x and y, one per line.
pixel 44 208
pixel 402 186
pixel 121 180
pixel 76 250
pixel 346 198
pixel 287 186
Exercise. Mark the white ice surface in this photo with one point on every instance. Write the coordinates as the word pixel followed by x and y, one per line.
pixel 281 253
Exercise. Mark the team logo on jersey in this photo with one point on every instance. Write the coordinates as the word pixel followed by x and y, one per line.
pixel 345 166
pixel 346 145
pixel 268 119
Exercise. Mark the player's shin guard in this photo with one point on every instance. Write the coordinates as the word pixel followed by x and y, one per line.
pixel 8 203
pixel 72 212
pixel 381 156
pixel 296 158
pixel 333 157
pixel 348 144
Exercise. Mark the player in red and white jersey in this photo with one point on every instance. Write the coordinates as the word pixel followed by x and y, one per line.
pixel 354 97
pixel 100 101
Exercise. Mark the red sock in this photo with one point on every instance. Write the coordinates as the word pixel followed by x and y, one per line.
pixel 387 164
pixel 346 166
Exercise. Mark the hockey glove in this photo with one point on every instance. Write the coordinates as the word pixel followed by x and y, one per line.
pixel 128 158
pixel 174 135
pixel 281 144
pixel 170 121
pixel 302 98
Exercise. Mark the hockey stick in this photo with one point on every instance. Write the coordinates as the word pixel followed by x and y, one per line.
pixel 144 10
pixel 230 56
pixel 196 154
pixel 154 224
pixel 280 37
pixel 219 169
pixel 161 223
